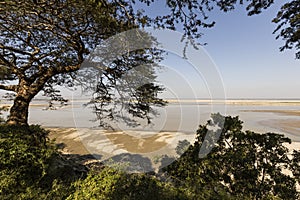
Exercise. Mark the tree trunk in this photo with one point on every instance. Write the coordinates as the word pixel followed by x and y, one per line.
pixel 26 91
pixel 19 111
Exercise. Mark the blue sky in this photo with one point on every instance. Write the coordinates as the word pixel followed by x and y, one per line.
pixel 247 55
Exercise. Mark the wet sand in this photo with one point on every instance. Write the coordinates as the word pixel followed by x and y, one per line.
pixel 291 125
pixel 280 112
pixel 69 139
pixel 85 141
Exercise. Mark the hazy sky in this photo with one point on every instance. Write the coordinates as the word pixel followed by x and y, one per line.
pixel 247 55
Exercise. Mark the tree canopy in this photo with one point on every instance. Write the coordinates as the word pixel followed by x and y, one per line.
pixel 288 20
pixel 43 43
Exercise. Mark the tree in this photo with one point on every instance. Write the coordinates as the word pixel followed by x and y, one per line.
pixel 44 43
pixel 245 164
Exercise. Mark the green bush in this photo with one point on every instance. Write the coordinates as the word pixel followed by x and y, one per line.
pixel 243 164
pixel 113 184
pixel 30 165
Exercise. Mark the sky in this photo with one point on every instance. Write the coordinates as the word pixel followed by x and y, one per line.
pixel 247 56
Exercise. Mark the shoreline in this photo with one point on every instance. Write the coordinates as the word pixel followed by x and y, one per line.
pixel 242 102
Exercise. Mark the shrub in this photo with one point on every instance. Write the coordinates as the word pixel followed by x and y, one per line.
pixel 242 163
pixel 30 165
pixel 113 184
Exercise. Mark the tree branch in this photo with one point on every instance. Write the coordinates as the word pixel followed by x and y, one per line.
pixel 12 88
pixel 13 68
pixel 66 69
pixel 15 50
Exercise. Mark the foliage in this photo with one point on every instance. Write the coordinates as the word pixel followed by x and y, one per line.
pixel 245 164
pixel 30 166
pixel 111 183
pixel 126 90
pixel 288 20
pixel 182 146
pixel 44 44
